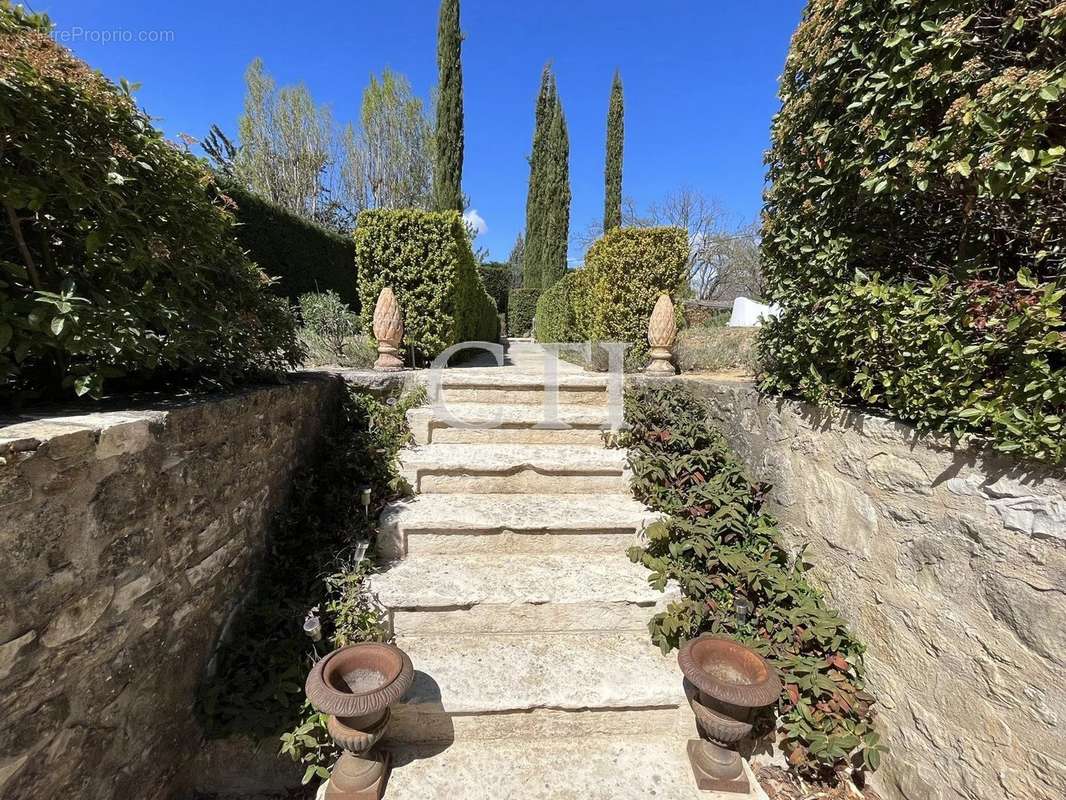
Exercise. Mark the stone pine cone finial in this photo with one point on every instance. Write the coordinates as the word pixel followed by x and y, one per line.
pixel 662 333
pixel 388 330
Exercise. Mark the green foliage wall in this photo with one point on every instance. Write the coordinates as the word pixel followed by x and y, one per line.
pixel 304 257
pixel 915 224
pixel 555 320
pixel 521 308
pixel 118 261
pixel 624 274
pixel 497 277
pixel 721 548
pixel 425 257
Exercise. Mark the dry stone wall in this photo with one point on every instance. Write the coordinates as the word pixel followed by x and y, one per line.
pixel 951 565
pixel 125 540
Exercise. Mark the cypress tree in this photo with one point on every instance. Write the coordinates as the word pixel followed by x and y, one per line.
pixel 557 201
pixel 612 171
pixel 537 196
pixel 448 142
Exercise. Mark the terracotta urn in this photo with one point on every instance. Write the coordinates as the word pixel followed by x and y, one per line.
pixel 662 334
pixel 729 683
pixel 355 686
pixel 388 330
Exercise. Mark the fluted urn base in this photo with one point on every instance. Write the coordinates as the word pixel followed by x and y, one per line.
pixel 388 359
pixel 358 777
pixel 660 363
pixel 717 769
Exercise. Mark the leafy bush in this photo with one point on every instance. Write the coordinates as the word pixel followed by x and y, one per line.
pixel 425 257
pixel 717 349
pixel 555 319
pixel 331 333
pixel 497 277
pixel 521 308
pixel 117 259
pixel 304 257
pixel 918 175
pixel 721 547
pixel 624 274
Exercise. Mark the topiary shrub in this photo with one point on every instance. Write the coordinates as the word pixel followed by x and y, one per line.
pixel 304 257
pixel 720 547
pixel 425 257
pixel 117 260
pixel 624 274
pixel 521 308
pixel 496 275
pixel 915 223
pixel 555 320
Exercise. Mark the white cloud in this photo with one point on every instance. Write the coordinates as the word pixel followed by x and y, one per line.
pixel 475 222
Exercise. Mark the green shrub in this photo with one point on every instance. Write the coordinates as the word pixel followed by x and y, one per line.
pixel 331 333
pixel 914 222
pixel 555 319
pixel 304 257
pixel 719 545
pixel 117 259
pixel 521 308
pixel 426 258
pixel 496 275
pixel 624 274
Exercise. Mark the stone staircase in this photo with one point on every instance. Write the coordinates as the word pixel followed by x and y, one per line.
pixel 509 587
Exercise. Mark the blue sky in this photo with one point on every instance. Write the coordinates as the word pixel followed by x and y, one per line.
pixel 700 81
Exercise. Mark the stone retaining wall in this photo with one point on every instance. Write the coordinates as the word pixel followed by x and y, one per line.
pixel 125 540
pixel 951 565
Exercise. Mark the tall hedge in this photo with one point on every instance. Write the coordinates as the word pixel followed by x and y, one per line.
pixel 118 261
pixel 425 257
pixel 915 223
pixel 304 257
pixel 556 320
pixel 625 272
pixel 521 308
pixel 497 277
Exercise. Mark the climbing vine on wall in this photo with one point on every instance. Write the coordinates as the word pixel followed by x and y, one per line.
pixel 726 553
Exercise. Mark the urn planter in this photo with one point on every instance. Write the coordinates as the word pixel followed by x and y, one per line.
pixel 731 683
pixel 356 686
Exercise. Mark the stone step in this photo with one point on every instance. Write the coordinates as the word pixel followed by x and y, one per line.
pixel 517 593
pixel 481 423
pixel 514 469
pixel 476 686
pixel 511 524
pixel 624 768
pixel 522 386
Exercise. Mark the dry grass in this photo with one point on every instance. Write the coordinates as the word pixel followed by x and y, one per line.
pixel 730 350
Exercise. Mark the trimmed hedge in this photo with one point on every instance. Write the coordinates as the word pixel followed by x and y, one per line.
pixel 118 261
pixel 425 257
pixel 624 274
pixel 914 226
pixel 555 320
pixel 304 257
pixel 521 308
pixel 496 275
